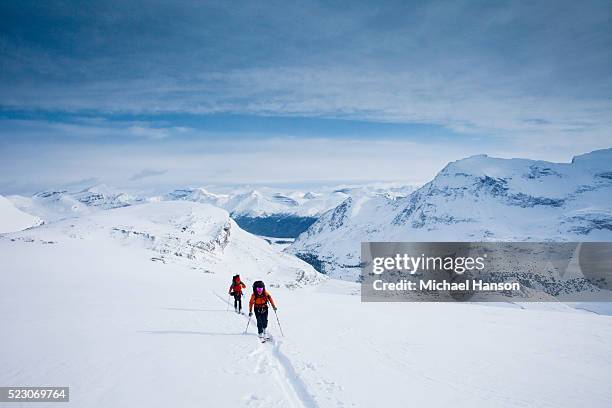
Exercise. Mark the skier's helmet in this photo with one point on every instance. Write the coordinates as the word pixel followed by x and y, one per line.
pixel 259 287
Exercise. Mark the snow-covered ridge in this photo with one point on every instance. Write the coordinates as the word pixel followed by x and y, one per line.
pixel 475 199
pixel 57 204
pixel 175 229
pixel 12 219
pixel 199 236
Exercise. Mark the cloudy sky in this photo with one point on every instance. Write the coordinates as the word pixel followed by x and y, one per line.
pixel 192 92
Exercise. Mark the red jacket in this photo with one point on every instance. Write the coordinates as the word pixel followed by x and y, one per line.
pixel 236 287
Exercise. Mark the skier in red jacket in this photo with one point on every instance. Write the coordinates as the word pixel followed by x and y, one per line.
pixel 235 290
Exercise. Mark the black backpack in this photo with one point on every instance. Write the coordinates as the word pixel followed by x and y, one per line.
pixel 259 284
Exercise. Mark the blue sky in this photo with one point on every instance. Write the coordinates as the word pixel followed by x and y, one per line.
pixel 187 92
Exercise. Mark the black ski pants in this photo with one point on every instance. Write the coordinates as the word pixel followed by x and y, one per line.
pixel 237 300
pixel 261 314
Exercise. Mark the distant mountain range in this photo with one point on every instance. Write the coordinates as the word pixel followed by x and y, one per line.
pixel 266 212
pixel 479 198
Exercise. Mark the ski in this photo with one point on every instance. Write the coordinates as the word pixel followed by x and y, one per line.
pixel 265 337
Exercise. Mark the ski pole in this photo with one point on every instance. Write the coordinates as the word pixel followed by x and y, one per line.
pixel 228 302
pixel 247 328
pixel 278 321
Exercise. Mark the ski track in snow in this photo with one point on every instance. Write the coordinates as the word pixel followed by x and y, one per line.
pixel 287 371
pixel 285 374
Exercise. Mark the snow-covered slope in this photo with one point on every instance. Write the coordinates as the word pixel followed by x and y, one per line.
pixel 475 199
pixel 50 205
pixel 12 219
pixel 118 302
pixel 53 205
pixel 128 308
pixel 180 232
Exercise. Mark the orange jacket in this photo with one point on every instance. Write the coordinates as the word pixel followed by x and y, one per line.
pixel 237 287
pixel 260 301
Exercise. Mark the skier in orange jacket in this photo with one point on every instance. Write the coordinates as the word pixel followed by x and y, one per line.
pixel 259 301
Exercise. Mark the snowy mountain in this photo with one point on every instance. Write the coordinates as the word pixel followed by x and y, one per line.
pixel 179 232
pixel 261 203
pixel 53 205
pixel 128 307
pixel 50 205
pixel 279 214
pixel 266 211
pixel 271 214
pixel 12 219
pixel 197 195
pixel 475 199
pixel 104 197
pixel 286 214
